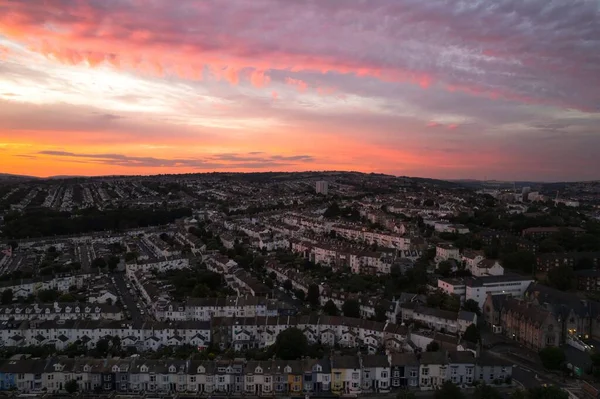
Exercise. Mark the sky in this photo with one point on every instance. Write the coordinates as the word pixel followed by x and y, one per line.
pixel 487 89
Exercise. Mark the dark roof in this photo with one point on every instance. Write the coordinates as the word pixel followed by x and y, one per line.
pixel 375 361
pixel 461 357
pixel 434 358
pixel 404 359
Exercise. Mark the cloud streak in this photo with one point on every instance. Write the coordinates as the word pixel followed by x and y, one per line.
pixel 220 161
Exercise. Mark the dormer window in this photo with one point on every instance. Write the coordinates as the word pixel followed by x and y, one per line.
pixel 144 369
pixel 258 370
pixel 287 369
pixel 201 370
pixel 115 369
pixel 172 369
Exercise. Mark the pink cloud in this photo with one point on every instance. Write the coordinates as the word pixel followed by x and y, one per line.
pixel 259 79
pixel 300 85
pixel 274 95
pixel 433 124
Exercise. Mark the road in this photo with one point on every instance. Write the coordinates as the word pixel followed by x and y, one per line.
pixel 127 298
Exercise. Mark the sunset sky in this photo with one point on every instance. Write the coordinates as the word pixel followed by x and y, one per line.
pixel 496 89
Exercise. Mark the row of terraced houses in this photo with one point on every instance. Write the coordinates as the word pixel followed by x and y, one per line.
pixel 337 374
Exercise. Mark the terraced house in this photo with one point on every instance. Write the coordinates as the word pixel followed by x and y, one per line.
pixel 336 374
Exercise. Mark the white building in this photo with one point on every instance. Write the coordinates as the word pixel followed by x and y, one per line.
pixel 477 288
pixel 322 187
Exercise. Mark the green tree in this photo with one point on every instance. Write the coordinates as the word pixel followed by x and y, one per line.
pixel 7 297
pixel 519 394
pixel 584 263
pixel 471 305
pixel 291 344
pixel 445 268
pixel 380 313
pixel 50 295
pixel 406 394
pixel 452 303
pixel 485 391
pixel 351 308
pixel 449 391
pixel 433 346
pixel 300 294
pixel 113 262
pixel 549 392
pixel 71 386
pixel 552 357
pixel 287 285
pixel 561 277
pixel 330 309
pixel 99 263
pixel 523 261
pixel 102 346
pixel 131 256
pixel 472 334
pixel 313 295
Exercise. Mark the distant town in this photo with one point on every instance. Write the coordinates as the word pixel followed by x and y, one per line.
pixel 299 284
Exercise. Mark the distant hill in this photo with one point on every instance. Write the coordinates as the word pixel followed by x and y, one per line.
pixel 9 178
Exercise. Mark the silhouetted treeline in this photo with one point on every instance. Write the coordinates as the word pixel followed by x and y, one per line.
pixel 44 222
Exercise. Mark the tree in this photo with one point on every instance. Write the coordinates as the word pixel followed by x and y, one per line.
pixel 561 277
pixel 313 295
pixel 71 386
pixel 102 346
pixel 291 344
pixel 448 391
pixel 99 263
pixel 552 357
pixel 13 244
pixel 287 285
pixel 7 297
pixel 549 392
pixel 47 295
pixel 116 341
pixel 300 294
pixel 269 282
pixel 433 346
pixel 406 394
pixel 113 262
pixel 330 309
pixel 472 334
pixel 485 391
pixel 471 305
pixel 523 261
pixel 584 263
pixel 131 256
pixel 519 394
pixel 380 313
pixel 351 308
pixel 445 268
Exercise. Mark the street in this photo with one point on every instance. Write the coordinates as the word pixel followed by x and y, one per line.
pixel 127 299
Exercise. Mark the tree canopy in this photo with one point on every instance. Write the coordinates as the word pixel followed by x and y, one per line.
pixel 291 344
pixel 351 308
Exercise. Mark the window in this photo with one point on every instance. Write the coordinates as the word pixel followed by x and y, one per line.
pixel 355 376
pixel 413 373
pixel 384 374
pixel 425 371
pixel 396 373
pixel 152 378
pixel 250 378
pixel 221 379
pixel 267 380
